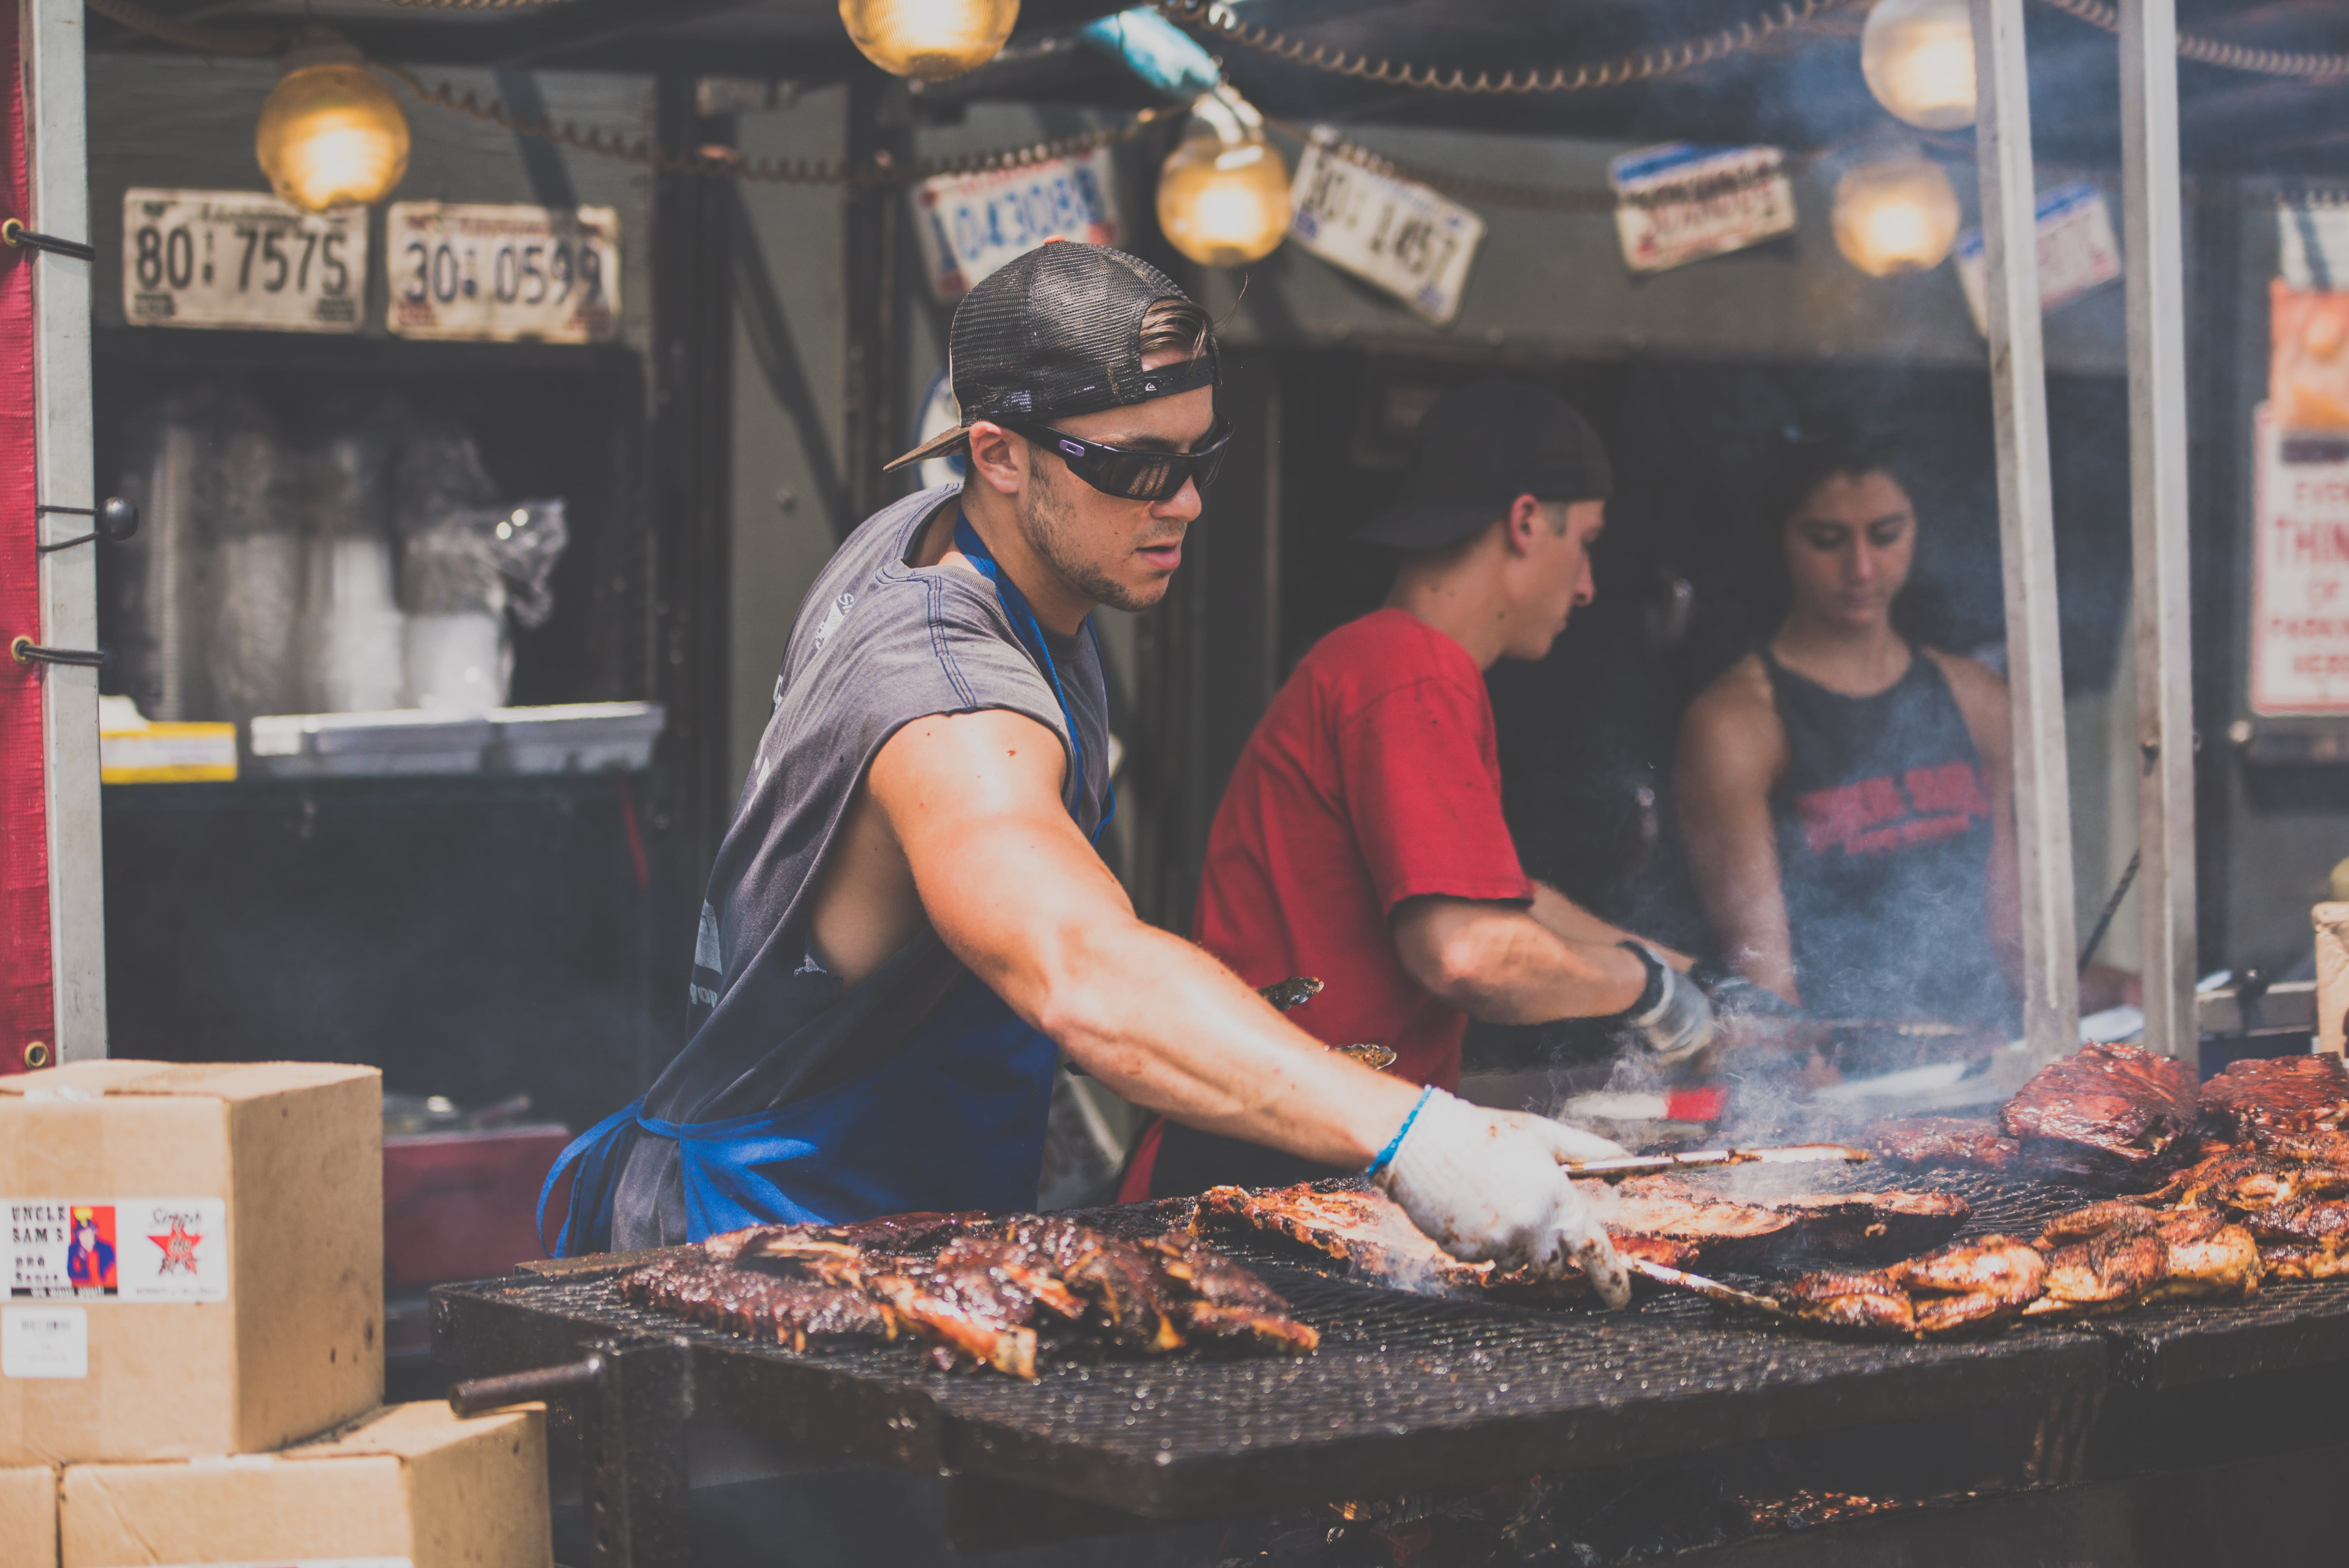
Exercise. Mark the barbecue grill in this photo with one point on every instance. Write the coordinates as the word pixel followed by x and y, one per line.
pixel 1406 1391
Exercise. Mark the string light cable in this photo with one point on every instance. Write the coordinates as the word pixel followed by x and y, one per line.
pixel 728 163
pixel 1216 18
pixel 2214 52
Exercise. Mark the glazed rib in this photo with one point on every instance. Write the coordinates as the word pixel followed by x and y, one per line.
pixel 2108 1109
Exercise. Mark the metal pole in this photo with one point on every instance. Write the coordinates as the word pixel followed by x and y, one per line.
pixel 2151 196
pixel 57 171
pixel 2018 379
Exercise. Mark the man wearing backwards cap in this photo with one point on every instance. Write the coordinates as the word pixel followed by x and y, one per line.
pixel 1361 839
pixel 907 920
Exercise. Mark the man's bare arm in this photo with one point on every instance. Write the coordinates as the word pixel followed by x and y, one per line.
pixel 1007 880
pixel 1575 923
pixel 1497 961
pixel 1730 754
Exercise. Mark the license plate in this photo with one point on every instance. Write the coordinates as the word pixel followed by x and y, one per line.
pixel 971 224
pixel 1677 204
pixel 1394 234
pixel 502 273
pixel 239 259
pixel 2076 252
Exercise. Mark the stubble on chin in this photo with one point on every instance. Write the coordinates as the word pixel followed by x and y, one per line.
pixel 1055 533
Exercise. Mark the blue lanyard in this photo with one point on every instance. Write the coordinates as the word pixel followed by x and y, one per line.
pixel 1031 637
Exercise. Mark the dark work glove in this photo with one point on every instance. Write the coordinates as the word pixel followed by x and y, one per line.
pixel 1673 1017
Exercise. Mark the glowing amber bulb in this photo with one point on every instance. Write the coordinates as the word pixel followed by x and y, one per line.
pixel 331 134
pixel 1918 59
pixel 931 39
pixel 1895 215
pixel 1223 194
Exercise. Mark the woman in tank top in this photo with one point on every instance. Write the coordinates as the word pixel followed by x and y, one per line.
pixel 1845 793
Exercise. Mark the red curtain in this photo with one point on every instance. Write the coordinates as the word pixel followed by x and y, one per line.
pixel 27 1009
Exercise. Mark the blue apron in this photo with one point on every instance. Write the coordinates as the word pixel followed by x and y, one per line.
pixel 954 1118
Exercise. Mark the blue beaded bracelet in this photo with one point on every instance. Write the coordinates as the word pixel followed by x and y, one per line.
pixel 1386 1155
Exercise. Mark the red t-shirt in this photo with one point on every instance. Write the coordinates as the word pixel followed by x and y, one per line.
pixel 1374 777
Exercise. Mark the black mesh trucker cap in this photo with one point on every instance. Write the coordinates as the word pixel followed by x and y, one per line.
pixel 1058 332
pixel 1480 447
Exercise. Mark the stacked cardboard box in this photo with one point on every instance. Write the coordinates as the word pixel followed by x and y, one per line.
pixel 193 1266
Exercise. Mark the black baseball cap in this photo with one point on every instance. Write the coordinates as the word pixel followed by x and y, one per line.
pixel 1480 447
pixel 1054 333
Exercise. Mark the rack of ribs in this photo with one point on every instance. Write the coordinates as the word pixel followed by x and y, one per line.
pixel 1362 1228
pixel 1658 1218
pixel 2256 1100
pixel 758 1304
pixel 988 1290
pixel 1227 1302
pixel 2106 1110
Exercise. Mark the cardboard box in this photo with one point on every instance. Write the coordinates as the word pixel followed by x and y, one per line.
pixel 29 1517
pixel 192 1257
pixel 411 1485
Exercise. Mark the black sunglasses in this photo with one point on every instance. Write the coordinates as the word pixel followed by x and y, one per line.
pixel 1131 475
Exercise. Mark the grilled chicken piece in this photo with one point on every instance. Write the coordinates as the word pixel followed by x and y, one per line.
pixel 2209 1256
pixel 2283 1095
pixel 1996 1265
pixel 2246 1181
pixel 1865 1300
pixel 1943 1141
pixel 1226 1301
pixel 2292 1260
pixel 2114 1216
pixel 1970 1282
pixel 758 1304
pixel 2106 1109
pixel 2306 1222
pixel 2114 1270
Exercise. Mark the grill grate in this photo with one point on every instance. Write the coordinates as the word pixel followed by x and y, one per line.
pixel 1411 1391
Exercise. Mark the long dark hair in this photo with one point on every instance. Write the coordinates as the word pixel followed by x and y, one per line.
pixel 1808 455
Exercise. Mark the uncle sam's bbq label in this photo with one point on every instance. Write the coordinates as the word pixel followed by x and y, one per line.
pixel 127 1249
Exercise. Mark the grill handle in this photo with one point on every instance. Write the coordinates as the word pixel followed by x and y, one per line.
pixel 478 1395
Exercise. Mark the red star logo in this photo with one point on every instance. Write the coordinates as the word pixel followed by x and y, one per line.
pixel 178 1247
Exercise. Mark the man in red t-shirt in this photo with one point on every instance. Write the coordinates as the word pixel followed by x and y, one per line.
pixel 1361 839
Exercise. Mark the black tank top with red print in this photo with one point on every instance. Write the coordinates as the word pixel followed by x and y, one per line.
pixel 1883 822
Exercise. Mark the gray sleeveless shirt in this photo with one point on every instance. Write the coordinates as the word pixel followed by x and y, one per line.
pixel 877 645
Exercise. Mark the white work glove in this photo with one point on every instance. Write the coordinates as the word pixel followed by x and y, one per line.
pixel 1673 1018
pixel 1485 1184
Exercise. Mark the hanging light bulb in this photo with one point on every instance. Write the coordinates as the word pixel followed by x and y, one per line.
pixel 1223 194
pixel 1918 59
pixel 1895 215
pixel 331 134
pixel 931 39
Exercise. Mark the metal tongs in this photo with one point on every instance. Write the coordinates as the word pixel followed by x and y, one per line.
pixel 1712 1158
pixel 1710 1289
